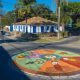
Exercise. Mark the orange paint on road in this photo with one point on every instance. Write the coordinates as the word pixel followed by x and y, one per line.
pixel 60 68
pixel 46 51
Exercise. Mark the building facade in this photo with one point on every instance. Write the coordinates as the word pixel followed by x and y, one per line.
pixel 34 28
pixel 35 25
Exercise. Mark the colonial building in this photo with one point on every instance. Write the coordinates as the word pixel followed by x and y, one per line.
pixel 35 25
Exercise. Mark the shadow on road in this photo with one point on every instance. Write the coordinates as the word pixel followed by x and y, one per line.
pixel 7 41
pixel 8 70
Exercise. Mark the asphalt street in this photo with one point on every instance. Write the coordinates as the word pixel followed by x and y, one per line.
pixel 67 44
pixel 10 47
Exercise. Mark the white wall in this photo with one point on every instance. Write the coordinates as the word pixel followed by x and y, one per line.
pixel 28 29
pixel 38 29
pixel 13 27
pixel 31 29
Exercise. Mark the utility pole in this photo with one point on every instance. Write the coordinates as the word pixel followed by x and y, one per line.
pixel 58 22
pixel 58 14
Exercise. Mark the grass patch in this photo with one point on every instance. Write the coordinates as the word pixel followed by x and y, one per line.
pixel 47 39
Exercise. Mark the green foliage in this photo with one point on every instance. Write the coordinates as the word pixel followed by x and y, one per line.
pixel 25 2
pixel 64 13
pixel 74 7
pixel 8 18
pixel 78 23
pixel 22 8
pixel 1 13
pixel 1 4
pixel 64 34
pixel 29 8
pixel 70 11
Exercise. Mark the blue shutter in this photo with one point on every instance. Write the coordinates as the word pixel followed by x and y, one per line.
pixel 52 29
pixel 47 28
pixel 34 29
pixel 11 28
pixel 42 29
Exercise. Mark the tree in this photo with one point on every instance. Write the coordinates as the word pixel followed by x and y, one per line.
pixel 1 7
pixel 78 23
pixel 64 13
pixel 26 2
pixel 0 11
pixel 1 4
pixel 23 8
pixel 42 11
pixel 9 18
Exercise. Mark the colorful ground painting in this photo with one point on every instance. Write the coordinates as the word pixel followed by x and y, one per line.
pixel 48 62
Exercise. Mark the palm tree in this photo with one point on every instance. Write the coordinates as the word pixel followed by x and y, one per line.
pixel 64 12
pixel 61 13
pixel 24 8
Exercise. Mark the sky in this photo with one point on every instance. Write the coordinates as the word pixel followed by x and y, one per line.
pixel 9 4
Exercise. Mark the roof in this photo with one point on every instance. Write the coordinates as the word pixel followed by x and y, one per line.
pixel 37 21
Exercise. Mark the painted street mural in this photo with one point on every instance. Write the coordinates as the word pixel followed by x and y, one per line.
pixel 48 62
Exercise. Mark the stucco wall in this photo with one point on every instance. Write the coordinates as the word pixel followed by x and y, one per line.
pixel 35 28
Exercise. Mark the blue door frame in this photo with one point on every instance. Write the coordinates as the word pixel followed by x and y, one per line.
pixel 34 29
pixel 52 29
pixel 11 28
pixel 42 29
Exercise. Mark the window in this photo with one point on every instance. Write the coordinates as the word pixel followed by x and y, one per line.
pixel 47 29
pixel 52 29
pixel 42 28
pixel 21 27
pixel 34 29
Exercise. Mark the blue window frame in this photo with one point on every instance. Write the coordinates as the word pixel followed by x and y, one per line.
pixel 11 28
pixel 47 28
pixel 34 29
pixel 52 29
pixel 42 28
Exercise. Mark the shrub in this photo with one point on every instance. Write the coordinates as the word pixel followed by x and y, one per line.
pixel 64 34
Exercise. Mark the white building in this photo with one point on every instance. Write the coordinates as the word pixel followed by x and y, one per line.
pixel 35 25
